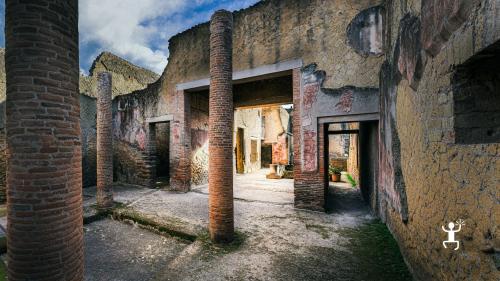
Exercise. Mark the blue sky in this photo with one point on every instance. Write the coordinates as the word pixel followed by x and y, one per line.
pixel 137 30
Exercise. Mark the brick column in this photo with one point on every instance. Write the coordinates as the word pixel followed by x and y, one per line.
pixel 220 132
pixel 180 142
pixel 44 161
pixel 104 141
pixel 309 187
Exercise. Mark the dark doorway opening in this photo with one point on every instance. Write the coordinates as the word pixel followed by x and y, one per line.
pixel 266 157
pixel 351 152
pixel 162 143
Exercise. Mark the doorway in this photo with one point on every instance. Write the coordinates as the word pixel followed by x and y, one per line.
pixel 240 151
pixel 351 157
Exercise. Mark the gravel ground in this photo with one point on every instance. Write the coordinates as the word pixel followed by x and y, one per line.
pixel 118 251
pixel 275 241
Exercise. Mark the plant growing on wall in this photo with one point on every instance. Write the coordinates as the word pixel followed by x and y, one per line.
pixel 351 180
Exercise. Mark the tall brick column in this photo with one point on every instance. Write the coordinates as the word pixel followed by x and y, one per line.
pixel 44 161
pixel 104 141
pixel 220 132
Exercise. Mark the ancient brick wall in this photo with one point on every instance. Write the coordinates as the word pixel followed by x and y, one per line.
pixel 430 177
pixel 130 135
pixel 274 31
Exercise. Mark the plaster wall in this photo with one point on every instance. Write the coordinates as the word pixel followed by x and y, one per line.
pixel 418 138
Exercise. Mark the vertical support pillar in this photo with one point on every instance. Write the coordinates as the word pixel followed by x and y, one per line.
pixel 220 132
pixel 104 141
pixel 44 160
pixel 309 187
pixel 180 143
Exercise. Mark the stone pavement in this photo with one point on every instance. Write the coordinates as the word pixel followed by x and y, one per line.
pixel 255 187
pixel 275 242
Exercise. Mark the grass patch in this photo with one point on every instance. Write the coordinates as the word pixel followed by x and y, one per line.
pixel 3 210
pixel 376 252
pixel 370 253
pixel 3 271
pixel 351 180
pixel 321 230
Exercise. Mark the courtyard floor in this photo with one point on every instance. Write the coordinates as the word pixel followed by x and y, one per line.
pixel 162 235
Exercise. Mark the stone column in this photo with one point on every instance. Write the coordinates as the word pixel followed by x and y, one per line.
pixel 104 141
pixel 44 160
pixel 220 133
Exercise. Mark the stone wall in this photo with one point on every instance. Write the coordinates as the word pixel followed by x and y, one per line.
pixel 431 176
pixel 127 77
pixel 272 31
pixel 132 161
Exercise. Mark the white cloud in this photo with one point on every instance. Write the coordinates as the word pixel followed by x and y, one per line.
pixel 139 30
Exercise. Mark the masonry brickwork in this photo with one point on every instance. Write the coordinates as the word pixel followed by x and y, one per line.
pixel 220 128
pixel 104 142
pixel 413 64
pixel 44 174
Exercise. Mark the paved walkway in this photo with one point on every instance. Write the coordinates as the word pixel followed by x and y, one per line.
pixel 255 187
pixel 276 241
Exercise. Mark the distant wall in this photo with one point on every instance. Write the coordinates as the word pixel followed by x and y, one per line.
pixel 132 161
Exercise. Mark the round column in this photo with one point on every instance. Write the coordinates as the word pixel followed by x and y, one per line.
pixel 220 134
pixel 44 161
pixel 104 141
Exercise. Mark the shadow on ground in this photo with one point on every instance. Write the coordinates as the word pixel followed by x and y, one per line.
pixel 275 241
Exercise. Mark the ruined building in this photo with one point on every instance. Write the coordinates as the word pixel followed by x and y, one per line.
pixel 420 77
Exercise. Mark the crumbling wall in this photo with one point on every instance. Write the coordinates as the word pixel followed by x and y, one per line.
pixel 132 161
pixel 126 78
pixel 427 179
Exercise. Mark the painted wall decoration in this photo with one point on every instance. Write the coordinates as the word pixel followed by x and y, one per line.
pixel 391 181
pixel 410 60
pixel 365 32
pixel 317 102
pixel 440 18
pixel 280 150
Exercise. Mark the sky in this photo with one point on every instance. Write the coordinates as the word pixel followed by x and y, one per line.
pixel 137 30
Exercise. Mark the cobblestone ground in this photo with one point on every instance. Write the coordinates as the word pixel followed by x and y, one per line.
pixel 275 241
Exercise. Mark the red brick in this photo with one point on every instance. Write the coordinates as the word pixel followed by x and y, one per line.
pixel 220 133
pixel 45 232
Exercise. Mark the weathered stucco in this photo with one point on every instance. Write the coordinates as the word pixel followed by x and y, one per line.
pixel 443 180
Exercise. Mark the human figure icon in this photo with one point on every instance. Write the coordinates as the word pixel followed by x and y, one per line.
pixel 451 234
